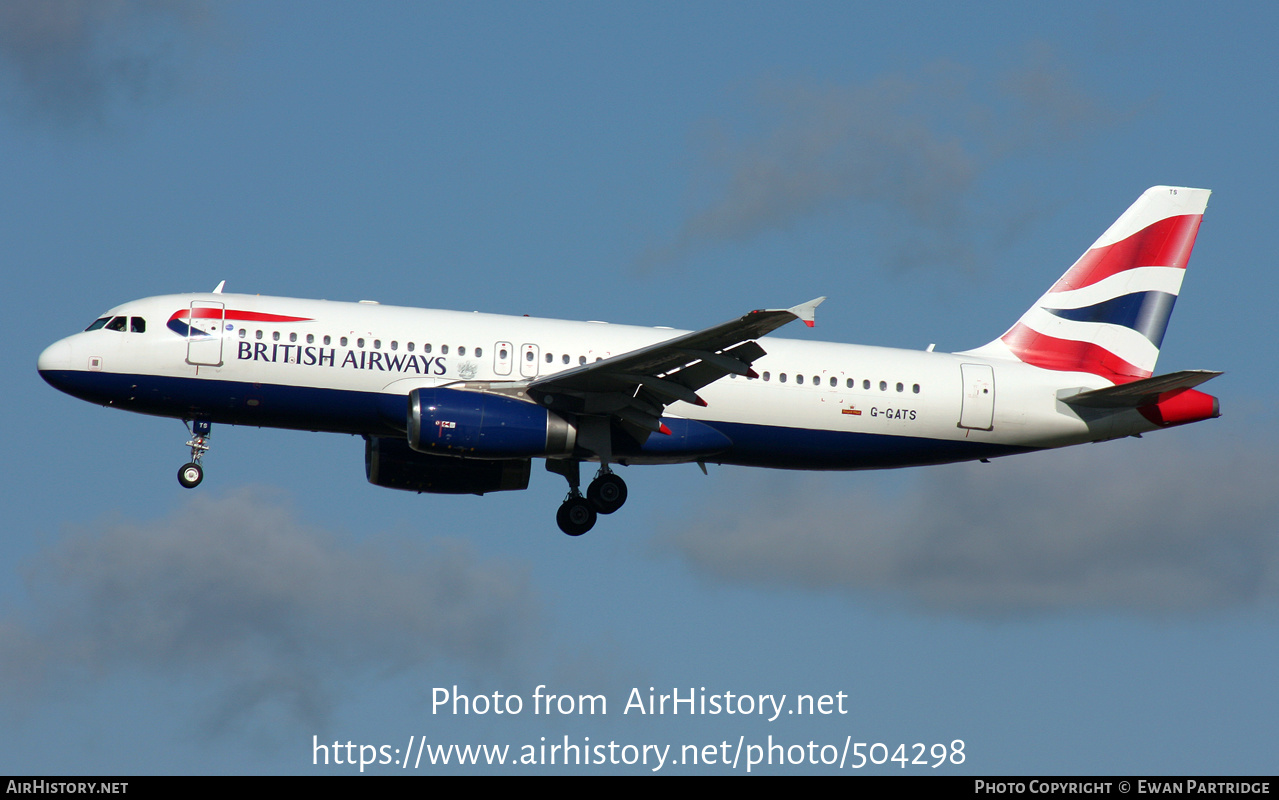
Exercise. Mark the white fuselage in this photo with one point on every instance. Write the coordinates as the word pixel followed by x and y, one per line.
pixel 346 367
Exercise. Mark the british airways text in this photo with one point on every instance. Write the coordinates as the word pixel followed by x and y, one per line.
pixel 312 356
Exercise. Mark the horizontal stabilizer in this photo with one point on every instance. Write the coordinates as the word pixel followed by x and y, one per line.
pixel 1140 393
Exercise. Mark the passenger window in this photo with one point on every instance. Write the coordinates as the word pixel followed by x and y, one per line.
pixel 410 346
pixel 328 339
pixel 549 358
pixel 98 323
pixel 799 379
pixel 243 332
pixel 293 337
pixel 344 340
pixel 866 384
pixel 851 383
pixel 782 377
pixel 310 338
pixel 565 359
pixel 426 348
pixel 258 334
pixel 395 345
pixel 275 335
pixel 767 377
pixel 116 324
pixel 915 388
pixel 900 387
pixel 883 386
pixel 502 354
pixel 528 356
pixel 137 325
pixel 444 349
pixel 377 344
pixel 360 342
pixel 479 353
pixel 834 382
pixel 581 360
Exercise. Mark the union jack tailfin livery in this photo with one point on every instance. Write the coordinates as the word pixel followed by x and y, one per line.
pixel 1108 313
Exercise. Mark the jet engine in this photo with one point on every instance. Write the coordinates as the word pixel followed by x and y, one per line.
pixel 390 463
pixel 482 425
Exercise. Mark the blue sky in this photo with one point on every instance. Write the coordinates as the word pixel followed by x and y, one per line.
pixel 931 169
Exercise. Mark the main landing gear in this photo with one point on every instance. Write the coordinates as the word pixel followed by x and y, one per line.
pixel 192 473
pixel 606 494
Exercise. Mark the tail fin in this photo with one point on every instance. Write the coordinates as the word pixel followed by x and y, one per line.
pixel 1108 313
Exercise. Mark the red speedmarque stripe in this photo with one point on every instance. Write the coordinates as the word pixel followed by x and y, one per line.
pixel 1166 243
pixel 243 316
pixel 1067 355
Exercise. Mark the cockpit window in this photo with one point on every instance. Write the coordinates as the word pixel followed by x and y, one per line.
pixel 137 325
pixel 117 323
pixel 97 323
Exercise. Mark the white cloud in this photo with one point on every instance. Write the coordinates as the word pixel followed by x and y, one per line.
pixel 1150 527
pixel 902 156
pixel 71 60
pixel 237 592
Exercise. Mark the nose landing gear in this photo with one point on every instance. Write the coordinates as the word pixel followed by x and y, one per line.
pixel 192 473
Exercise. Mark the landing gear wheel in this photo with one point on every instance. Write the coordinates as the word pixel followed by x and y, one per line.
pixel 576 516
pixel 607 493
pixel 190 475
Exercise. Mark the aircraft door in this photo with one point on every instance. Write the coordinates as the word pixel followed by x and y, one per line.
pixel 978 410
pixel 528 360
pixel 503 355
pixel 204 333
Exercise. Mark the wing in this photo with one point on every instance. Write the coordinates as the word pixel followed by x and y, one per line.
pixel 636 387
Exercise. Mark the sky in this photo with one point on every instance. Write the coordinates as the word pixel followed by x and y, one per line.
pixel 931 168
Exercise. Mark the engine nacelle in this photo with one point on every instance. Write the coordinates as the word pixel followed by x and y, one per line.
pixel 390 463
pixel 456 422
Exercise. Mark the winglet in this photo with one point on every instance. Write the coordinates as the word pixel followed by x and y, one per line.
pixel 807 311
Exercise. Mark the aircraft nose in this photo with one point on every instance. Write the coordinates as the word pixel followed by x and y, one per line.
pixel 55 360
pixel 55 356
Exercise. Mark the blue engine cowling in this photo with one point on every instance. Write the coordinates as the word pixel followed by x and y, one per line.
pixel 457 422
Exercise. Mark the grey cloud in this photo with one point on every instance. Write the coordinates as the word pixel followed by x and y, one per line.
pixel 270 611
pixel 1139 527
pixel 71 61
pixel 902 156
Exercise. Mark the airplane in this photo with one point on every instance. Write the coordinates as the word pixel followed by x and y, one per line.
pixel 460 403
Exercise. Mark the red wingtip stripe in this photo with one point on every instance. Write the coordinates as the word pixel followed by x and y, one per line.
pixel 810 323
pixel 1166 243
pixel 665 431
